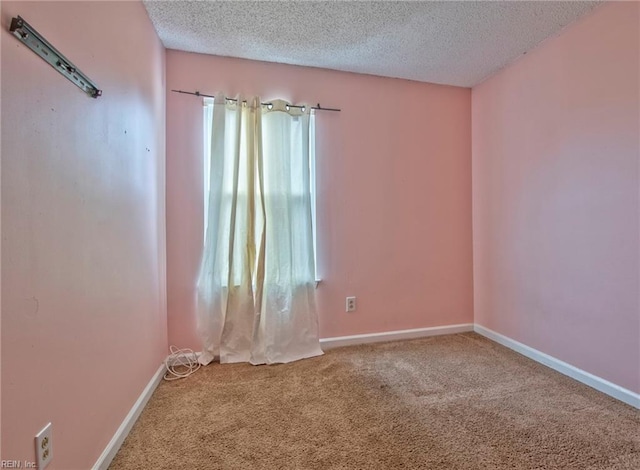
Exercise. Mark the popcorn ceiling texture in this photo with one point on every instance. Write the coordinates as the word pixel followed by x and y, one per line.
pixel 453 43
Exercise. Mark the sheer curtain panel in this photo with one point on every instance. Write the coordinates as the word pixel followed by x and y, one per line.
pixel 256 287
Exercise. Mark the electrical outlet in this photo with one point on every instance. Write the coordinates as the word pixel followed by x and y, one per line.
pixel 44 447
pixel 351 304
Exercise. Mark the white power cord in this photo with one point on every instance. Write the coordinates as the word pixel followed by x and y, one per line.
pixel 180 363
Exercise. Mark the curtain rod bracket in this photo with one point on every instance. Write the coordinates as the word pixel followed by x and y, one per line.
pixel 34 41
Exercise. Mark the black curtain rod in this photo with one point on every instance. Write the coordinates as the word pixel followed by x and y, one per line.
pixel 197 93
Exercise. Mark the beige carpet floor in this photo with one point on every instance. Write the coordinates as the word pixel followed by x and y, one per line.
pixel 448 402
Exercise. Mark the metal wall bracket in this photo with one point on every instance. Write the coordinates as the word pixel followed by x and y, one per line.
pixel 30 37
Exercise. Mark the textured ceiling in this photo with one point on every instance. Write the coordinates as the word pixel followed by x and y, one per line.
pixel 454 43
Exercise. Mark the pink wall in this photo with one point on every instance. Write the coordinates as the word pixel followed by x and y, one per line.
pixel 555 197
pixel 394 192
pixel 83 254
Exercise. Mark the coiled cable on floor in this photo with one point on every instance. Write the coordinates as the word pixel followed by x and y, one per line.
pixel 180 363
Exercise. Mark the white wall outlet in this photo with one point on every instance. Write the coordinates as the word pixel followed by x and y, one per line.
pixel 351 304
pixel 44 447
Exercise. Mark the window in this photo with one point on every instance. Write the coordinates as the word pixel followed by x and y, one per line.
pixel 227 192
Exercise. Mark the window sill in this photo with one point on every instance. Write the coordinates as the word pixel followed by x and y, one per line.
pixel 318 281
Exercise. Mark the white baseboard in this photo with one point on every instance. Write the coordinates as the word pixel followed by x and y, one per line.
pixel 338 341
pixel 600 384
pixel 118 438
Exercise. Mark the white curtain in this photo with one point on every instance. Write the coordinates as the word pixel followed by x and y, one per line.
pixel 255 293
